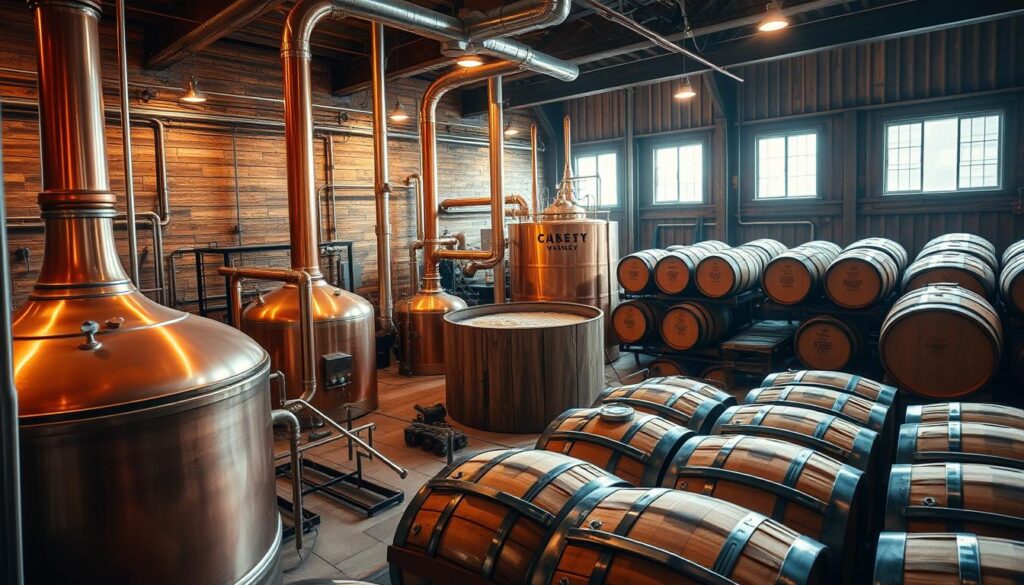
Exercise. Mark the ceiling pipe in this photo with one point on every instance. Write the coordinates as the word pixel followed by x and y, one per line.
pixel 518 18
pixel 433 251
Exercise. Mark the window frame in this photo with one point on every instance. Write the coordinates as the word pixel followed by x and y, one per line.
pixel 596 150
pixel 645 160
pixel 818 162
pixel 677 144
pixel 958 114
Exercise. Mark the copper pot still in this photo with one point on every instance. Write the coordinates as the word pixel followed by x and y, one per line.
pixel 146 441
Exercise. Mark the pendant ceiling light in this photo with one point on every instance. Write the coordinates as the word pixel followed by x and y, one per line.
pixel 469 61
pixel 193 95
pixel 398 113
pixel 685 91
pixel 773 19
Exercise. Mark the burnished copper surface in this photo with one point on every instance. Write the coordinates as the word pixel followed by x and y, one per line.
pixel 420 322
pixel 567 260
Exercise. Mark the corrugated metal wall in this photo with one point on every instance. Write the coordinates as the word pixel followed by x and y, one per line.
pixel 846 95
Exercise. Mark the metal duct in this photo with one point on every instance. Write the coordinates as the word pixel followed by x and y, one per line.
pixel 518 18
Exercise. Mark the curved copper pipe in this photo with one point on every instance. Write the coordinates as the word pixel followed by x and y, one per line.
pixel 428 145
pixel 521 207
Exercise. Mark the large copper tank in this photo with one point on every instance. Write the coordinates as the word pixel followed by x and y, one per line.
pixel 146 441
pixel 570 259
pixel 420 322
pixel 343 322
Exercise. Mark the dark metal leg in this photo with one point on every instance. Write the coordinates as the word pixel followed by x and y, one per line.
pixel 226 259
pixel 201 283
pixel 351 269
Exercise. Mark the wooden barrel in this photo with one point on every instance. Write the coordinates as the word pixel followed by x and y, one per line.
pixel 857 385
pixel 986 256
pixel 515 379
pixel 891 248
pixel 674 272
pixel 975 412
pixel 986 500
pixel 1011 285
pixel 959 269
pixel 489 515
pixel 1012 251
pixel 701 385
pixel 637 321
pixel 690 324
pixel 695 408
pixel 634 447
pixel 967 442
pixel 667 366
pixel 811 493
pixel 861 277
pixel 838 438
pixel 728 272
pixel 715 373
pixel 855 409
pixel 1015 361
pixel 659 536
pixel 766 248
pixel 825 342
pixel 947 559
pixel 636 271
pixel 941 342
pixel 713 245
pixel 795 275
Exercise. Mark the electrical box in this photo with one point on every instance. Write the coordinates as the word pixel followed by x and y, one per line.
pixel 336 369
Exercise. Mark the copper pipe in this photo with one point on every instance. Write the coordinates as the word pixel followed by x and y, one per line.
pixel 126 146
pixel 428 153
pixel 418 180
pixel 521 207
pixel 304 282
pixel 534 201
pixel 385 313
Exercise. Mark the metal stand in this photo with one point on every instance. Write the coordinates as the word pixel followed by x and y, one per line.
pixel 287 507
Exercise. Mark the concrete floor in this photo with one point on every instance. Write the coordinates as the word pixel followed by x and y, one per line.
pixel 347 544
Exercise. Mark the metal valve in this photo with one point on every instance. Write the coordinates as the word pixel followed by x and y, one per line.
pixel 90 329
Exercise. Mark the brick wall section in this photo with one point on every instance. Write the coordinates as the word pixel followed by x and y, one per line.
pixel 201 160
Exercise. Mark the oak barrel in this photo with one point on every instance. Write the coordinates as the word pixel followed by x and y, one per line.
pixel 659 537
pixel 971 244
pixel 987 500
pixel 491 514
pixel 967 442
pixel 674 272
pixel 1011 285
pixel 729 272
pixel 1012 251
pixel 709 389
pixel 696 408
pixel 633 446
pixel 668 366
pixel 947 559
pixel 996 414
pixel 692 324
pixel 859 411
pixel 825 342
pixel 637 321
pixel 960 269
pixel 796 275
pixel 518 379
pixel 715 373
pixel 636 270
pixel 838 438
pixel 891 248
pixel 766 248
pixel 849 383
pixel 713 245
pixel 941 342
pixel 861 277
pixel 813 494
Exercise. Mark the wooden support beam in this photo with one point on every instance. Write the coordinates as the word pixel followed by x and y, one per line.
pixel 882 23
pixel 415 58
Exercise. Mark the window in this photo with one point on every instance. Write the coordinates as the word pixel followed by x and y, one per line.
pixel 787 166
pixel 950 153
pixel 679 174
pixel 604 192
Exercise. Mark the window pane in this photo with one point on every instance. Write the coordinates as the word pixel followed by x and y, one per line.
pixel 771 167
pixel 691 173
pixel 586 189
pixel 940 155
pixel 903 157
pixel 665 175
pixel 608 168
pixel 802 167
pixel 979 152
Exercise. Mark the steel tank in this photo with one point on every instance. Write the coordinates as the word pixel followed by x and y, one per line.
pixel 146 442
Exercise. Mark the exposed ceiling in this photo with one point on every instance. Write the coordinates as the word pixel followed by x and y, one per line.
pixel 608 55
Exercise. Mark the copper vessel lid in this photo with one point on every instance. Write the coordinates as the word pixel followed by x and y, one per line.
pixel 330 303
pixel 140 352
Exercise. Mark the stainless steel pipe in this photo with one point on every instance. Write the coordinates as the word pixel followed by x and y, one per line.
pixel 287 418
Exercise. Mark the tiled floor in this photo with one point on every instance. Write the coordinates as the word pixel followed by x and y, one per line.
pixel 348 545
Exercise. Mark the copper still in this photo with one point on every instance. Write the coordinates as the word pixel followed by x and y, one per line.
pixel 420 319
pixel 562 254
pixel 343 321
pixel 146 441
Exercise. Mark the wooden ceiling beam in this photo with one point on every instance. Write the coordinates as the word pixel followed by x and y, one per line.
pixel 414 58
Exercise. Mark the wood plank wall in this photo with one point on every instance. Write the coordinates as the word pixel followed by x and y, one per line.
pixel 845 94
pixel 201 159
